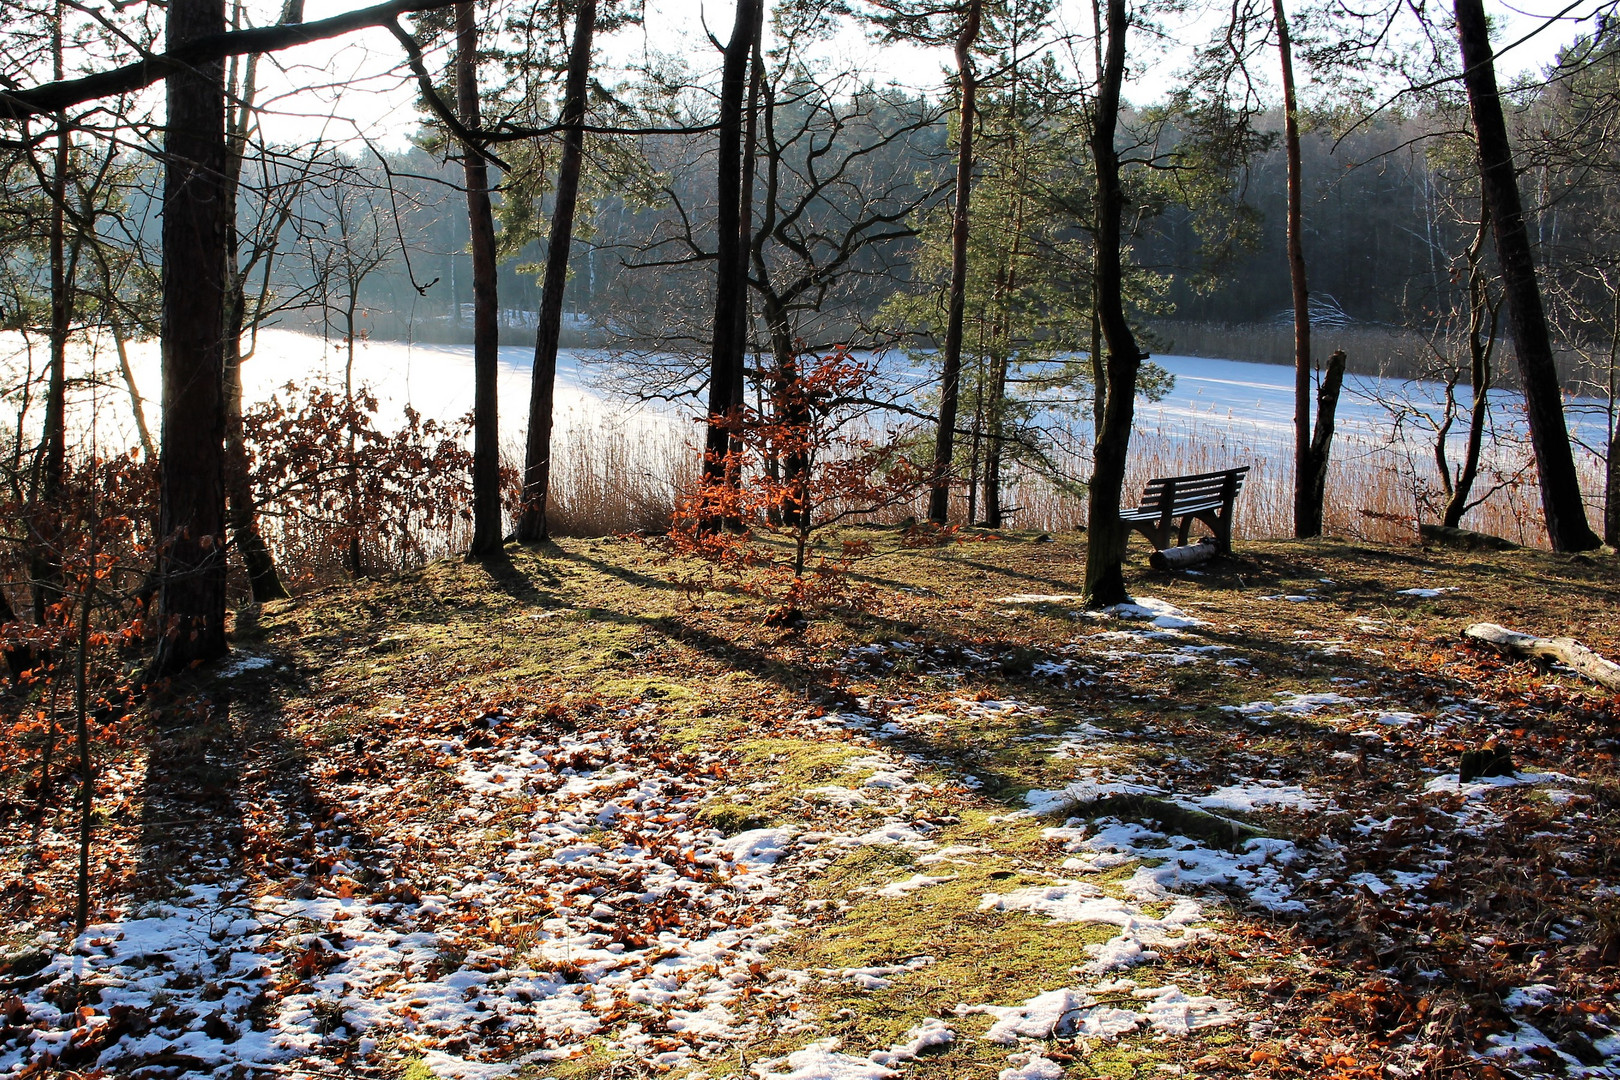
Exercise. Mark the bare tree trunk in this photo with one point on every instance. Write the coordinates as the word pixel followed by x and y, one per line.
pixel 241 510
pixel 975 441
pixel 1561 501
pixel 18 658
pixel 1611 491
pixel 731 281
pixel 1481 342
pixel 1316 458
pixel 486 470
pixel 1099 369
pixel 745 238
pixel 1307 518
pixel 994 438
pixel 81 731
pixel 191 568
pixel 939 491
pixel 46 491
pixel 1611 475
pixel 1099 366
pixel 1105 536
pixel 745 208
pixel 356 562
pixel 531 525
pixel 788 405
pixel 1002 353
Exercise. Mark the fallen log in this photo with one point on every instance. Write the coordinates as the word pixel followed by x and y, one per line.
pixel 1568 651
pixel 1179 558
pixel 1446 536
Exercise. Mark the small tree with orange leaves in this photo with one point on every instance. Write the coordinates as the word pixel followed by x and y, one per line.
pixel 809 464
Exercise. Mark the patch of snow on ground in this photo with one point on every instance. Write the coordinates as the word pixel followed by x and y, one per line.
pixel 823 1061
pixel 1038 598
pixel 877 978
pixel 244 664
pixel 1257 795
pixel 1296 704
pixel 1162 613
pixel 1031 1067
pixel 179 977
pixel 899 889
pixel 1256 869
pixel 1451 783
pixel 453 1068
pixel 1075 1013
pixel 1096 784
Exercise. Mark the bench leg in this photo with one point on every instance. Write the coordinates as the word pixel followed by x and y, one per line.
pixel 1147 529
pixel 1186 527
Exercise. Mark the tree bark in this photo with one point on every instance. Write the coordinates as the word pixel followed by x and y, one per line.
pixel 45 492
pixel 1307 517
pixel 241 509
pixel 1568 651
pixel 1611 488
pixel 531 526
pixel 18 658
pixel 745 237
pixel 1316 456
pixel 1180 558
pixel 939 491
pixel 1561 502
pixel 191 567
pixel 1611 474
pixel 1480 344
pixel 486 469
pixel 996 414
pixel 1106 536
pixel 731 280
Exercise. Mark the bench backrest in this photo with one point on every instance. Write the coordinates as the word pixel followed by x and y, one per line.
pixel 1188 490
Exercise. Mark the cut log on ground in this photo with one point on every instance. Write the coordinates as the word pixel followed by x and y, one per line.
pixel 1568 651
pixel 1446 536
pixel 1179 558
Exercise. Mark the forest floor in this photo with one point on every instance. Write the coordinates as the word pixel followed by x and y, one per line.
pixel 561 816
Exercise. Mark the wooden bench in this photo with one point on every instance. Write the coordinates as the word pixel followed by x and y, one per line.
pixel 1206 497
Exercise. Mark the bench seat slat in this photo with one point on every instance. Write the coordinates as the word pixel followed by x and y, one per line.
pixel 1214 483
pixel 1196 477
pixel 1183 497
pixel 1202 485
pixel 1152 513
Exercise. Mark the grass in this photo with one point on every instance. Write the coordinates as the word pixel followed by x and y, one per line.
pixel 582 624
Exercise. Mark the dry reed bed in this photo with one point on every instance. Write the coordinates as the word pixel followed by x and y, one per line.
pixel 615 477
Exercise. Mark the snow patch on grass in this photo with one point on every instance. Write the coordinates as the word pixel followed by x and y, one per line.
pixel 823 1061
pixel 1076 1014
pixel 1257 795
pixel 1161 613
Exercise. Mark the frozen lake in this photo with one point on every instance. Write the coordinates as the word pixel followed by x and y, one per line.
pixel 1239 404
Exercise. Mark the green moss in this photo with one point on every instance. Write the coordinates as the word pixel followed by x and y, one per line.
pixel 416 1069
pixel 733 818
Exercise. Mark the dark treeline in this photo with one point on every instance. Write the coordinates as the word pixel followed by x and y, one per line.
pixel 1381 233
pixel 1377 231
